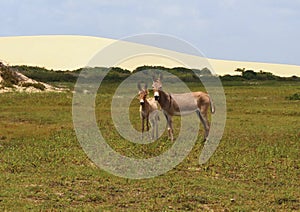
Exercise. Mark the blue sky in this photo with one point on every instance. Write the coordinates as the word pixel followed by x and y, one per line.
pixel 257 30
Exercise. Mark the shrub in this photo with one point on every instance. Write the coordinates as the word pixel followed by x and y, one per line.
pixel 39 86
pixel 295 96
pixel 9 77
pixel 45 75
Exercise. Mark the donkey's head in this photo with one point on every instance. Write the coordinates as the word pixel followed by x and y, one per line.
pixel 157 85
pixel 143 92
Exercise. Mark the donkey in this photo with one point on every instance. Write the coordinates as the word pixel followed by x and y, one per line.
pixel 181 104
pixel 148 110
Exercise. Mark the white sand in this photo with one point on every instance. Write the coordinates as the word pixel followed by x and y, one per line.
pixel 73 52
pixel 22 79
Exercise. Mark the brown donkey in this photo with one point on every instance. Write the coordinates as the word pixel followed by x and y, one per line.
pixel 181 104
pixel 148 111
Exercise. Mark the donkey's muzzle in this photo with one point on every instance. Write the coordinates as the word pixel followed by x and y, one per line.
pixel 156 95
pixel 142 102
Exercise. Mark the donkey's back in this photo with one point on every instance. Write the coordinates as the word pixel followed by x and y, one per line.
pixel 186 103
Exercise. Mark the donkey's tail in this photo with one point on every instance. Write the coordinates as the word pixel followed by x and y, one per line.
pixel 212 106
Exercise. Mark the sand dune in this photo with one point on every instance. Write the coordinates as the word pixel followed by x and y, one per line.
pixel 63 52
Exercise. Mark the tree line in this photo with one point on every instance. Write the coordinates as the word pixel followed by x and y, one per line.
pixel 119 74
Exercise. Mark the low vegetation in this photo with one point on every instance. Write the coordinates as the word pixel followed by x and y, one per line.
pixel 45 75
pixel 119 74
pixel 39 86
pixel 295 96
pixel 11 79
pixel 8 76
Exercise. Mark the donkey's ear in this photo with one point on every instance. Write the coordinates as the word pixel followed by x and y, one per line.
pixel 139 86
pixel 160 76
pixel 153 78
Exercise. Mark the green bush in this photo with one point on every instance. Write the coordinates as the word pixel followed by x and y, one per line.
pixel 47 76
pixel 7 84
pixel 39 86
pixel 295 96
pixel 9 77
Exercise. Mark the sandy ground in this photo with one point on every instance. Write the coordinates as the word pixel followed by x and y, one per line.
pixel 24 79
pixel 73 52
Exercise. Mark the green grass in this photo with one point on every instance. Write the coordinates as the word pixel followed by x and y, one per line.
pixel 255 167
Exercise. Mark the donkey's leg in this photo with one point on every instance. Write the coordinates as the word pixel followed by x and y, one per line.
pixel 156 127
pixel 143 119
pixel 147 123
pixel 169 125
pixel 207 124
pixel 157 119
pixel 152 124
pixel 167 118
pixel 170 128
pixel 204 123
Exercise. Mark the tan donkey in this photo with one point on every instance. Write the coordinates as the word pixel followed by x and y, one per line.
pixel 181 104
pixel 148 111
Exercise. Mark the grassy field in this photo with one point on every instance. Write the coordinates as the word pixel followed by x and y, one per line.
pixel 256 166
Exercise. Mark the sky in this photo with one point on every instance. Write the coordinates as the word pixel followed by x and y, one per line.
pixel 243 30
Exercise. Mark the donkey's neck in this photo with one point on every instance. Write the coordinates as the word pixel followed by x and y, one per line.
pixel 164 99
pixel 146 106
